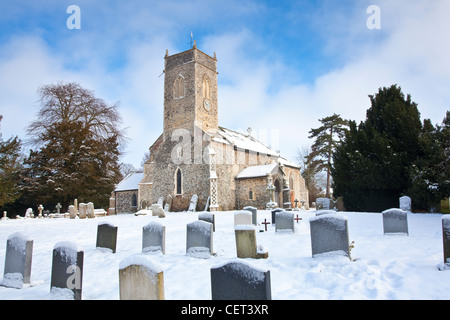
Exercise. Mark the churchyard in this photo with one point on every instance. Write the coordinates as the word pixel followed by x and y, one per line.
pixel 327 255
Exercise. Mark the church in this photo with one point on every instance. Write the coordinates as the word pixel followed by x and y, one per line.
pixel 225 169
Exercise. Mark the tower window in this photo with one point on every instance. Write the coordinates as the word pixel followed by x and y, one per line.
pixel 206 88
pixel 178 181
pixel 178 87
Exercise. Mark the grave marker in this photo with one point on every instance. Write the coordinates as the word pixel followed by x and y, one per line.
pixel 82 211
pixel 208 217
pixel 90 210
pixel 19 251
pixel 72 212
pixel 395 221
pixel 107 236
pixel 285 221
pixel 298 219
pixel 242 217
pixel 446 238
pixel 193 203
pixel 58 208
pixel 154 238
pixel 40 209
pixel 199 239
pixel 273 212
pixel 265 223
pixel 246 246
pixel 405 203
pixel 329 234
pixel 239 281
pixel 254 212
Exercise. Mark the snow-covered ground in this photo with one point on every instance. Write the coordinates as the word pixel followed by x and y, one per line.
pixel 383 267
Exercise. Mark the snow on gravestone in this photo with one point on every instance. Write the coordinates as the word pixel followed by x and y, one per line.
pixel 193 203
pixel 254 212
pixel 19 251
pixel 405 203
pixel 154 238
pixel 237 280
pixel 242 217
pixel 140 278
pixel 395 221
pixel 107 236
pixel 329 235
pixel 208 217
pixel 199 239
pixel 67 270
pixel 285 222
pixel 90 210
pixel 82 210
pixel 274 215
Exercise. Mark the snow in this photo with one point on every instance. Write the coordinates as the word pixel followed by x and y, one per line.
pixel 141 260
pixel 382 267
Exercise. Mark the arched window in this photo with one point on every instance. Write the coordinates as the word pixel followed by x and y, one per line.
pixel 206 88
pixel 178 87
pixel 178 182
pixel 134 200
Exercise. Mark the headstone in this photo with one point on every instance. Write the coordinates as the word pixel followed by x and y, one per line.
pixel 82 211
pixel 90 210
pixel 158 211
pixel 72 212
pixel 40 209
pixel 199 239
pixel 405 203
pixel 265 223
pixel 19 251
pixel 193 203
pixel 395 221
pixel 246 246
pixel 329 235
pixel 58 208
pixel 154 238
pixel 29 213
pixel 140 279
pixel 254 212
pixel 273 212
pixel 285 222
pixel 208 217
pixel 107 236
pixel 323 203
pixel 67 270
pixel 446 238
pixel 242 217
pixel 237 280
pixel 160 201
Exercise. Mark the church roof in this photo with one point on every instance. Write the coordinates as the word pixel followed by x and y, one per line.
pixel 257 171
pixel 130 182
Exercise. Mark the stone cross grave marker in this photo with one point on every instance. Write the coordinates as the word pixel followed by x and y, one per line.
pixel 154 238
pixel 285 222
pixel 58 208
pixel 395 221
pixel 242 217
pixel 19 251
pixel 298 219
pixel 446 238
pixel 239 281
pixel 329 234
pixel 67 269
pixel 107 236
pixel 82 210
pixel 405 203
pixel 296 203
pixel 40 208
pixel 199 239
pixel 246 246
pixel 208 217
pixel 254 212
pixel 140 278
pixel 265 223
pixel 72 212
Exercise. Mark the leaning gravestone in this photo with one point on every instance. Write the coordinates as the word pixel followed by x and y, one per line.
pixel 199 239
pixel 285 222
pixel 246 246
pixel 193 203
pixel 82 211
pixel 208 217
pixel 395 221
pixel 239 281
pixel 140 279
pixel 329 234
pixel 154 238
pixel 254 212
pixel 446 238
pixel 19 251
pixel 67 270
pixel 107 236
pixel 242 217
pixel 405 203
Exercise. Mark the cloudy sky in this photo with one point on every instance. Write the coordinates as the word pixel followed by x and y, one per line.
pixel 282 64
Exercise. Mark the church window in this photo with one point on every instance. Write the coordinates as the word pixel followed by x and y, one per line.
pixel 250 194
pixel 134 200
pixel 206 88
pixel 178 181
pixel 178 89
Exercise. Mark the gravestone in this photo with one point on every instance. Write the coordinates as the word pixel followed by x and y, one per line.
pixel 160 201
pixel 67 269
pixel 82 210
pixel 273 212
pixel 329 235
pixel 446 238
pixel 90 210
pixel 323 203
pixel 395 221
pixel 246 246
pixel 208 217
pixel 285 222
pixel 72 212
pixel 157 210
pixel 19 251
pixel 140 279
pixel 193 203
pixel 58 208
pixel 199 239
pixel 154 238
pixel 242 217
pixel 40 209
pixel 29 213
pixel 239 281
pixel 107 236
pixel 405 203
pixel 254 212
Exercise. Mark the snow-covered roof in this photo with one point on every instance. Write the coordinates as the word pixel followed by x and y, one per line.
pixel 257 171
pixel 130 182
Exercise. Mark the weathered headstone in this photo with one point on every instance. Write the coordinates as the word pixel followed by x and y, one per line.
pixel 58 208
pixel 156 210
pixel 246 246
pixel 40 209
pixel 72 212
pixel 208 217
pixel 329 234
pixel 446 238
pixel 154 238
pixel 242 217
pixel 395 221
pixel 193 203
pixel 199 239
pixel 273 212
pixel 285 222
pixel 29 213
pixel 19 251
pixel 82 210
pixel 405 203
pixel 90 210
pixel 140 278
pixel 254 212
pixel 67 269
pixel 107 236
pixel 323 203
pixel 239 281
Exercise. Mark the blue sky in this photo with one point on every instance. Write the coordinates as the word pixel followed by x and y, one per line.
pixel 282 64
